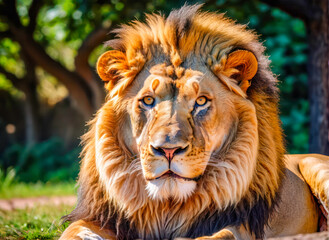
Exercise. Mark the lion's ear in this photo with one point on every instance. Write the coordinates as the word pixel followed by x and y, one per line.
pixel 110 65
pixel 241 65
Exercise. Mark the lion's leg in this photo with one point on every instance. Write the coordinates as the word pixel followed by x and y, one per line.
pixel 82 230
pixel 315 170
pixel 224 234
pixel 230 233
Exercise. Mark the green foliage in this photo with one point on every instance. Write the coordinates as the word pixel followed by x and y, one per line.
pixel 36 223
pixel 9 60
pixel 63 25
pixel 45 161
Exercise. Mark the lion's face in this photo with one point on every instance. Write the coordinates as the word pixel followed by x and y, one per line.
pixel 178 124
pixel 181 108
pixel 180 121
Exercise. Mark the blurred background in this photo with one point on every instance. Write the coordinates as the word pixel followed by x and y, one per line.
pixel 49 88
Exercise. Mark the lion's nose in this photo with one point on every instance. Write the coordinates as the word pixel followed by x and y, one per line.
pixel 169 153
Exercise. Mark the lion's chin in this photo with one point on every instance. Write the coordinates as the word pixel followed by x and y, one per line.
pixel 174 188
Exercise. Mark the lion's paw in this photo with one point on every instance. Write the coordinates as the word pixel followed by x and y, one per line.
pixel 183 238
pixel 89 235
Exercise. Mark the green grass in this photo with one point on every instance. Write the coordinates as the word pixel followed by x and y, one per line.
pixel 11 187
pixel 41 222
pixel 21 190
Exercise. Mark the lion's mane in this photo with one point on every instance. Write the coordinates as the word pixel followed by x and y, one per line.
pixel 111 184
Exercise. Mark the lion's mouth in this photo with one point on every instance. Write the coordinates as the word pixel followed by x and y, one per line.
pixel 171 174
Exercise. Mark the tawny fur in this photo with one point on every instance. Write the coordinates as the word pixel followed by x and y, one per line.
pixel 249 168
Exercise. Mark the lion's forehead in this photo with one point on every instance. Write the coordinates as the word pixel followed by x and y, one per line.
pixel 174 83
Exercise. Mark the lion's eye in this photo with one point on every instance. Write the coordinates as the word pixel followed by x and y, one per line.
pixel 148 101
pixel 201 101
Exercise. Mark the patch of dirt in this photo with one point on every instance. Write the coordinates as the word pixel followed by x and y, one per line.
pixel 22 203
pixel 312 236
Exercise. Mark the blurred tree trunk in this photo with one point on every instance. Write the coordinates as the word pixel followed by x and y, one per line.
pixel 319 79
pixel 32 114
pixel 316 17
pixel 28 85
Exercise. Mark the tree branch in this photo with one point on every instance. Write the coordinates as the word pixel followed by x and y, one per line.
pixel 94 39
pixel 33 13
pixel 75 84
pixel 303 9
pixel 72 81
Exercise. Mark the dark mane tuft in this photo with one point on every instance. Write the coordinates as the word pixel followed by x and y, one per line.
pixel 182 18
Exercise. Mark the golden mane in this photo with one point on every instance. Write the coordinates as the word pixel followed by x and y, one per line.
pixel 111 186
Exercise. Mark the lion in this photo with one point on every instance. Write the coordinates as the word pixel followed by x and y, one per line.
pixel 188 143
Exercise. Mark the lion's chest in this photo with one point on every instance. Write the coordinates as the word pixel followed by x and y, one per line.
pixel 172 225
